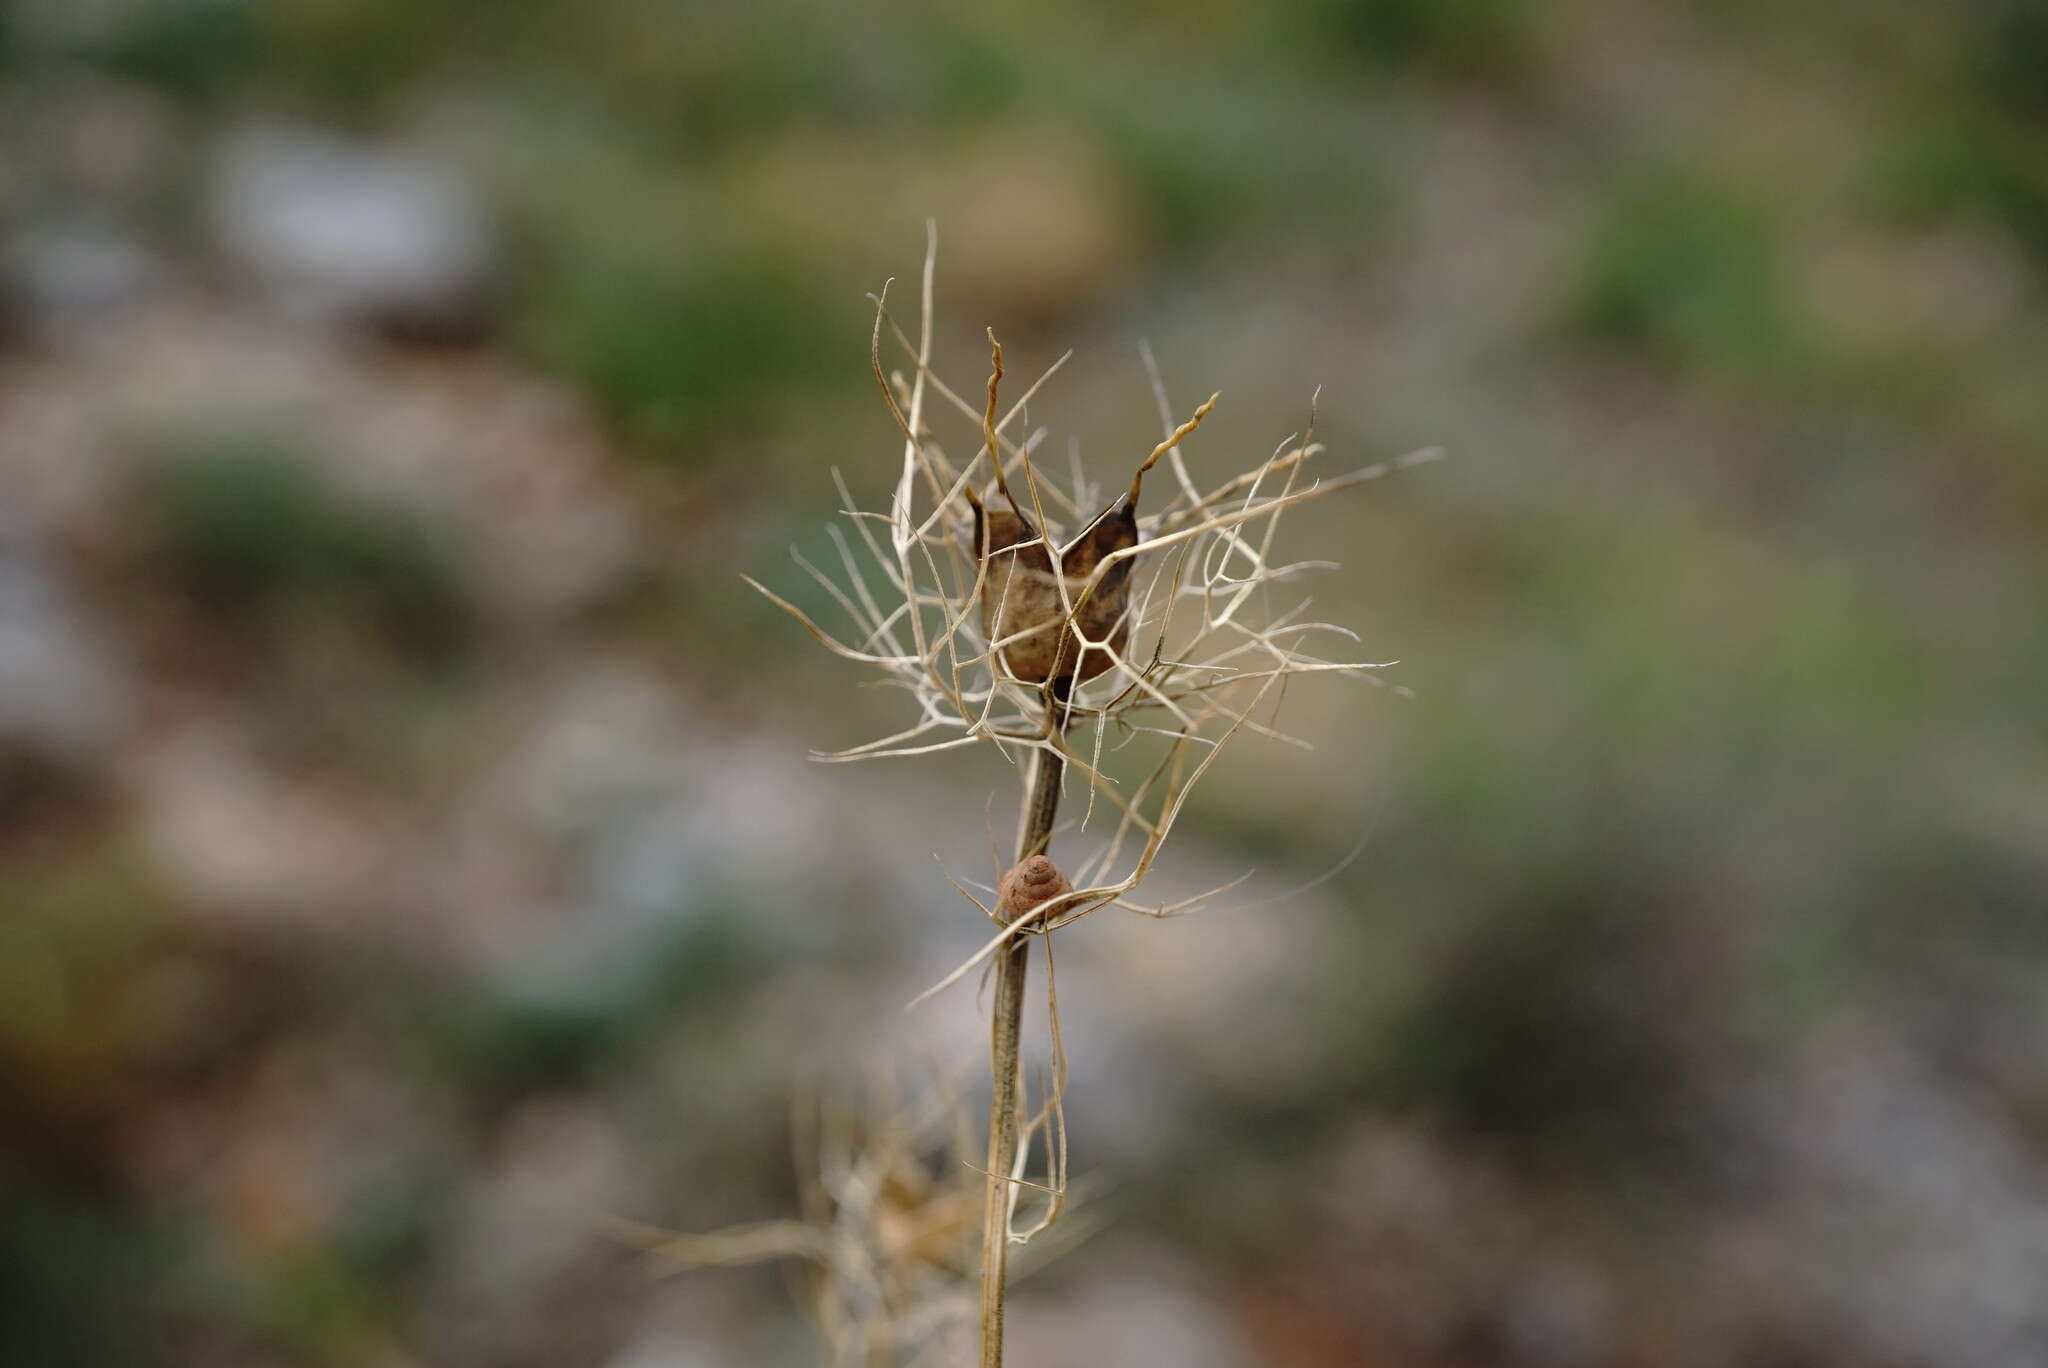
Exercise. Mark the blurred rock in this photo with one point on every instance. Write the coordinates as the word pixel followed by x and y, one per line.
pixel 525 1268
pixel 354 233
pixel 1148 1314
pixel 246 845
pixel 513 458
pixel 110 141
pixel 648 826
pixel 61 690
pixel 698 1322
pixel 1421 1234
pixel 1559 1314
pixel 513 462
pixel 58 273
pixel 1902 1220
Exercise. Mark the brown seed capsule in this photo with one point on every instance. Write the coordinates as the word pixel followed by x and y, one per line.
pixel 1030 882
pixel 1020 593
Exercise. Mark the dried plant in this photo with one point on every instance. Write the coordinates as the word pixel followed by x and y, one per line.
pixel 1054 624
pixel 889 1232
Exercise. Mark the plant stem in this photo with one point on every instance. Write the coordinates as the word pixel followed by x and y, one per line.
pixel 1011 964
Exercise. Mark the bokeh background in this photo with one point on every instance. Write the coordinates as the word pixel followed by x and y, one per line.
pixel 408 850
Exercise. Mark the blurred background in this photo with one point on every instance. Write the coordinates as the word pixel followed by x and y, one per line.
pixel 408 850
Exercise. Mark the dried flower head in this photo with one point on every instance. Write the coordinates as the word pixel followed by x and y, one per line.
pixel 1162 626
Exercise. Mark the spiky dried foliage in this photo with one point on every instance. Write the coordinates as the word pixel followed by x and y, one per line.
pixel 1059 625
pixel 1163 626
pixel 890 1230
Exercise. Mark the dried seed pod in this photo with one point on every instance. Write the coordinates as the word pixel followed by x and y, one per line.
pixel 1030 882
pixel 1020 593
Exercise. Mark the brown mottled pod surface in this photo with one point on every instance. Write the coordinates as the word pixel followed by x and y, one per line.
pixel 1020 593
pixel 1030 882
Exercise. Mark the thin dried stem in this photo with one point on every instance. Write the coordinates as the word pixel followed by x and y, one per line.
pixel 1005 1033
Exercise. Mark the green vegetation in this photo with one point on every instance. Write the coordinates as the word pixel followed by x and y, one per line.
pixel 682 351
pixel 259 537
pixel 1689 270
pixel 1473 39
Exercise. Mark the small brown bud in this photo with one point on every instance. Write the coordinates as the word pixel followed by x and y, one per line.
pixel 1030 882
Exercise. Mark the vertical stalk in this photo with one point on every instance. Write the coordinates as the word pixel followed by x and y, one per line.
pixel 1011 964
